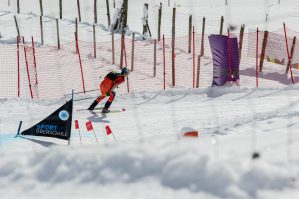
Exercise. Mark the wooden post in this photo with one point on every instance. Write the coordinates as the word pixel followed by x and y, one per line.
pixel 145 18
pixel 76 24
pixel 241 41
pixel 41 7
pixel 291 55
pixel 17 26
pixel 155 58
pixel 60 9
pixel 58 37
pixel 108 13
pixel 34 59
pixel 122 50
pixel 18 6
pixel 164 65
pixel 95 11
pixel 190 34
pixel 263 50
pixel 202 49
pixel 257 58
pixel 125 14
pixel 94 42
pixel 198 71
pixel 18 56
pixel 159 22
pixel 173 46
pixel 41 30
pixel 112 43
pixel 221 25
pixel 193 58
pixel 27 68
pixel 133 51
pixel 113 3
pixel 79 11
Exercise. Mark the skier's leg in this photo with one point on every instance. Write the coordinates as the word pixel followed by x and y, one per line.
pixel 110 100
pixel 96 101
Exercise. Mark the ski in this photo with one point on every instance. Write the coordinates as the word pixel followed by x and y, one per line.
pixel 101 108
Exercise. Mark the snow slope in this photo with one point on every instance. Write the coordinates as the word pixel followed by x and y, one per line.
pixel 151 159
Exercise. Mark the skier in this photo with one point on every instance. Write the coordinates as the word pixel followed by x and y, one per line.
pixel 107 86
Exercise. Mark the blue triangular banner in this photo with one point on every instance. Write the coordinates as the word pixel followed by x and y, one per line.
pixel 57 125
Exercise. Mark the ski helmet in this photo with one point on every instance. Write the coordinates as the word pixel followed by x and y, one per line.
pixel 125 71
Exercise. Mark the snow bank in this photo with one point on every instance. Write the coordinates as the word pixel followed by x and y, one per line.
pixel 175 167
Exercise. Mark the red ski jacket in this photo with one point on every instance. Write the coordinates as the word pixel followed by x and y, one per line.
pixel 111 81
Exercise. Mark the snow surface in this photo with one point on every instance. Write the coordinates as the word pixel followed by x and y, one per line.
pixel 151 159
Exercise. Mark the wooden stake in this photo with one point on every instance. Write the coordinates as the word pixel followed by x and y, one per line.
pixel 145 17
pixel 190 34
pixel 291 55
pixel 263 50
pixel 79 11
pixel 125 14
pixel 122 50
pixel 18 6
pixel 112 43
pixel 221 25
pixel 17 27
pixel 241 41
pixel 41 7
pixel 198 71
pixel 202 49
pixel 155 57
pixel 95 12
pixel 41 30
pixel 108 13
pixel 173 46
pixel 58 37
pixel 159 22
pixel 76 24
pixel 60 9
pixel 94 42
pixel 133 51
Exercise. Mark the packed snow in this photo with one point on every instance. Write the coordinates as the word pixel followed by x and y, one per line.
pixel 150 157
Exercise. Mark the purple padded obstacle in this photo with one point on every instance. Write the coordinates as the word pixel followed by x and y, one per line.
pixel 219 48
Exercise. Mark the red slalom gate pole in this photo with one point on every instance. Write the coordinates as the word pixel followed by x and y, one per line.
pixel 18 56
pixel 164 69
pixel 289 57
pixel 77 50
pixel 27 68
pixel 193 56
pixel 257 57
